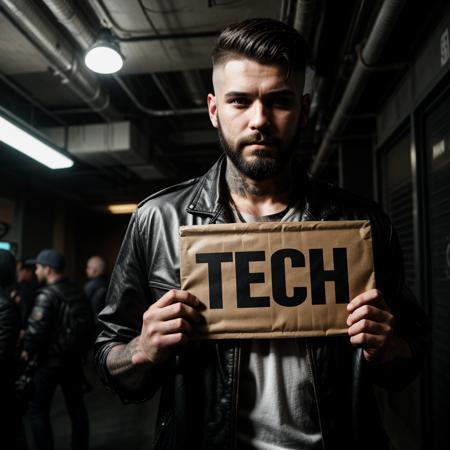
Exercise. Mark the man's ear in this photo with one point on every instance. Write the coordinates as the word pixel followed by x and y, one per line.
pixel 306 106
pixel 212 110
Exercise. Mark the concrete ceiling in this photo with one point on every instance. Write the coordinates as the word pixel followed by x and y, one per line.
pixel 163 85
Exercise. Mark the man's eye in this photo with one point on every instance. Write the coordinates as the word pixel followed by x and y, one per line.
pixel 239 101
pixel 282 101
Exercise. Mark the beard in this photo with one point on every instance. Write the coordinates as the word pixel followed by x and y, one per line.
pixel 266 163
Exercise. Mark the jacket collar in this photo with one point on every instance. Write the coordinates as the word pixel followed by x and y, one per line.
pixel 209 197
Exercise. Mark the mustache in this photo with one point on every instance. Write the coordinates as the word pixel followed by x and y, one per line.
pixel 258 139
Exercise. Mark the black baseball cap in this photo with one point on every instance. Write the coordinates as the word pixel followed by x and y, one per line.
pixel 28 263
pixel 50 258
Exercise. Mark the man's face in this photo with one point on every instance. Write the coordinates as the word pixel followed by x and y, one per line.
pixel 19 271
pixel 91 268
pixel 259 113
pixel 41 273
pixel 25 274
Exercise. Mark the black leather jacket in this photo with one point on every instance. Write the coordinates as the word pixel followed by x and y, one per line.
pixel 41 336
pixel 9 336
pixel 199 385
pixel 95 291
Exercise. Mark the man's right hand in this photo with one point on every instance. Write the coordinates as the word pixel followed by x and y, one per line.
pixel 168 322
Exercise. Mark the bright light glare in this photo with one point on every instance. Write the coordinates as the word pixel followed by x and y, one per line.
pixel 125 208
pixel 22 141
pixel 103 60
pixel 5 246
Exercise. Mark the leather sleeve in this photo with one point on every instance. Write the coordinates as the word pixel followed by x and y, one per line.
pixel 9 329
pixel 41 323
pixel 121 320
pixel 411 322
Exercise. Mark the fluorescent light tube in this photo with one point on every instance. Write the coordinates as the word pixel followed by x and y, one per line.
pixel 27 144
pixel 125 208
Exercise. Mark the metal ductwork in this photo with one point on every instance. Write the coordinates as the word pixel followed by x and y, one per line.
pixel 103 144
pixel 303 20
pixel 67 15
pixel 60 53
pixel 384 24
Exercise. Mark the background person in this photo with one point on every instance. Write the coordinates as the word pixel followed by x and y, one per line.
pixel 24 290
pixel 97 284
pixel 11 431
pixel 56 365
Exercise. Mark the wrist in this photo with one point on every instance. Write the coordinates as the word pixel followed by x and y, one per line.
pixel 396 350
pixel 138 355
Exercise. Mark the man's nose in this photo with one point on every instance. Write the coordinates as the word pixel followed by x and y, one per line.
pixel 259 116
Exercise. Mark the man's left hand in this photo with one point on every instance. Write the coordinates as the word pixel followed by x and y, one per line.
pixel 371 325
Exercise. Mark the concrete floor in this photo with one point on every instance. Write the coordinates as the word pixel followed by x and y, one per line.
pixel 113 426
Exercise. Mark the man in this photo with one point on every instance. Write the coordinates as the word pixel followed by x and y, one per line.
pixel 97 284
pixel 25 290
pixel 56 364
pixel 255 394
pixel 95 290
pixel 10 424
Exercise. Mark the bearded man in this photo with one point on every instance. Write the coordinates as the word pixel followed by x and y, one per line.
pixel 254 394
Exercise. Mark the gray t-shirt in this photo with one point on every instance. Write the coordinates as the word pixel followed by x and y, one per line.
pixel 277 409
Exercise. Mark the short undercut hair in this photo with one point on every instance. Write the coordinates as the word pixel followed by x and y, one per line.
pixel 267 41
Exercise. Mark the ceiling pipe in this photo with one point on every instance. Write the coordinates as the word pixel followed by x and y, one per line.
pixel 192 79
pixel 60 53
pixel 303 19
pixel 168 37
pixel 378 38
pixel 156 112
pixel 69 17
pixel 31 99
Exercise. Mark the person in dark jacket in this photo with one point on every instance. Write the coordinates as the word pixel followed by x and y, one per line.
pixel 25 289
pixel 10 423
pixel 307 393
pixel 97 284
pixel 95 290
pixel 55 365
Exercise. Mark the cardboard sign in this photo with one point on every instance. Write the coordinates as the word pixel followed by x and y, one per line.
pixel 271 280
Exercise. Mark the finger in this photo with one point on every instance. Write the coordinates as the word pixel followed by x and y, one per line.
pixel 372 296
pixel 367 340
pixel 176 310
pixel 369 327
pixel 369 312
pixel 175 326
pixel 177 295
pixel 162 341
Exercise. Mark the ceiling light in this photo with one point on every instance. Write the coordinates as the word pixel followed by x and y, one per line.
pixel 104 55
pixel 124 208
pixel 27 144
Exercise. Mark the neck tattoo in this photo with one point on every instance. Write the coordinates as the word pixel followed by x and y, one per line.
pixel 239 185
